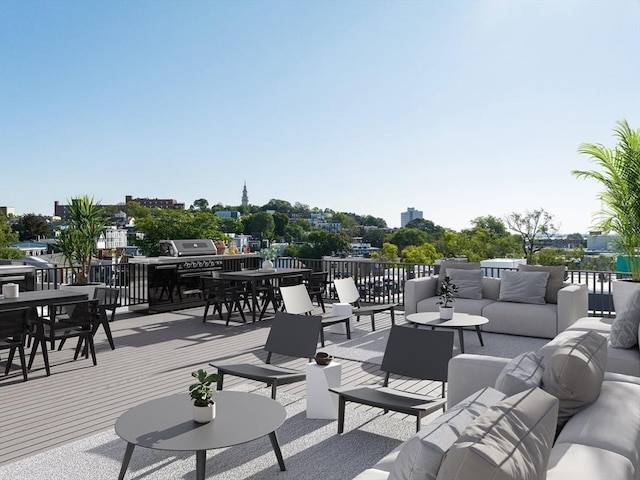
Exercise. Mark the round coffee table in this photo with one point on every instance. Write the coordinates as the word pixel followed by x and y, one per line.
pixel 167 424
pixel 459 322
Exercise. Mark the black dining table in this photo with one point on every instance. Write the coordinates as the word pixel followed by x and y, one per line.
pixel 257 275
pixel 41 298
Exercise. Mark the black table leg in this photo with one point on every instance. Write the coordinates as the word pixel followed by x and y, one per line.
pixel 125 461
pixel 276 449
pixel 461 337
pixel 201 458
pixel 479 334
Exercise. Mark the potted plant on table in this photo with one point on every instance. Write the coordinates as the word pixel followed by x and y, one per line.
pixel 204 408
pixel 447 294
pixel 620 177
pixel 78 242
pixel 269 255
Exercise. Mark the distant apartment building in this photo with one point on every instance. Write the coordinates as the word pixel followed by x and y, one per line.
pixel 6 211
pixel 155 202
pixel 228 214
pixel 410 214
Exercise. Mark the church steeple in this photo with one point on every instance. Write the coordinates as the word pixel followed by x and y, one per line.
pixel 245 197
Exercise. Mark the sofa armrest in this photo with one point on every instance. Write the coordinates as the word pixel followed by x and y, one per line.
pixel 573 304
pixel 469 373
pixel 418 289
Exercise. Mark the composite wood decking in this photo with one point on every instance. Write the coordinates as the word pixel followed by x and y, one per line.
pixel 154 356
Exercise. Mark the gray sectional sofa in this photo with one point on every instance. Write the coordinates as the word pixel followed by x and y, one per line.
pixel 563 303
pixel 599 438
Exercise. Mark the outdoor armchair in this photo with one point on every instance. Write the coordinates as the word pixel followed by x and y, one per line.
pixel 414 353
pixel 290 335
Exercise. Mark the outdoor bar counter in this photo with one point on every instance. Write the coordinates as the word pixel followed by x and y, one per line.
pixel 173 283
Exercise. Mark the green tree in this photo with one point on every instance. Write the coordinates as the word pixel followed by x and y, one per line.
pixel 434 231
pixel 259 225
pixel 388 253
pixel 281 206
pixel 375 237
pixel 372 221
pixel 8 237
pixel 280 221
pixel 533 227
pixel 32 227
pixel 408 236
pixel 231 225
pixel 201 204
pixel 347 221
pixel 490 224
pixel 165 224
pixel 321 243
pixel 425 254
pixel 135 210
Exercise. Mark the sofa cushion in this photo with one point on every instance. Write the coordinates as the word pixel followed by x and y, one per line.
pixel 624 330
pixel 523 287
pixel 554 283
pixel 521 319
pixel 510 440
pixel 458 266
pixel 573 372
pixel 420 456
pixel 573 461
pixel 521 373
pixel 469 282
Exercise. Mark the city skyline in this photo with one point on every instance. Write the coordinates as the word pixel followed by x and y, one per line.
pixel 459 109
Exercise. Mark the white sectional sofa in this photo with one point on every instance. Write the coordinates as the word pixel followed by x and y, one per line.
pixel 599 442
pixel 535 320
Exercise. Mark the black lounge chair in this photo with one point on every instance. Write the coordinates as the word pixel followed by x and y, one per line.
pixel 410 352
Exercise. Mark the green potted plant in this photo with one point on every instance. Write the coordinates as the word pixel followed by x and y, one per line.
pixel 620 177
pixel 78 242
pixel 269 255
pixel 201 392
pixel 447 294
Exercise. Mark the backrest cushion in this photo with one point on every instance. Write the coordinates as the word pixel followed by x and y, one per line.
pixel 521 373
pixel 458 266
pixel 523 287
pixel 510 441
pixel 573 373
pixel 420 456
pixel 555 281
pixel 624 329
pixel 469 282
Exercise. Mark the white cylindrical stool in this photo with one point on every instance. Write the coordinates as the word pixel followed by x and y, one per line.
pixel 340 309
pixel 321 403
pixel 10 290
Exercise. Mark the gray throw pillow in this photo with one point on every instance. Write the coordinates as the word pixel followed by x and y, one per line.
pixel 520 374
pixel 554 283
pixel 510 441
pixel 624 330
pixel 469 282
pixel 523 287
pixel 573 373
pixel 420 456
pixel 457 265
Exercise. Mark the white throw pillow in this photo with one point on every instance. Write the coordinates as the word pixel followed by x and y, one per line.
pixel 523 287
pixel 624 330
pixel 510 441
pixel 420 456
pixel 521 373
pixel 469 282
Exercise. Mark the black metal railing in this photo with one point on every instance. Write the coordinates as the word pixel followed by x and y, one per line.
pixel 377 281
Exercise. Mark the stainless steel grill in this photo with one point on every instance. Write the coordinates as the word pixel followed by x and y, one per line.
pixel 183 248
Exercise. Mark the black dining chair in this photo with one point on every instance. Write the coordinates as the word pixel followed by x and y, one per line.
pixel 13 332
pixel 78 320
pixel 217 293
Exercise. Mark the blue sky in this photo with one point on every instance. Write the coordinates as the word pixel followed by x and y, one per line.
pixel 460 109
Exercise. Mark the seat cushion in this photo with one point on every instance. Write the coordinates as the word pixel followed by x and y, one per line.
pixel 462 305
pixel 521 319
pixel 573 373
pixel 510 440
pixel 420 456
pixel 555 281
pixel 572 461
pixel 521 373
